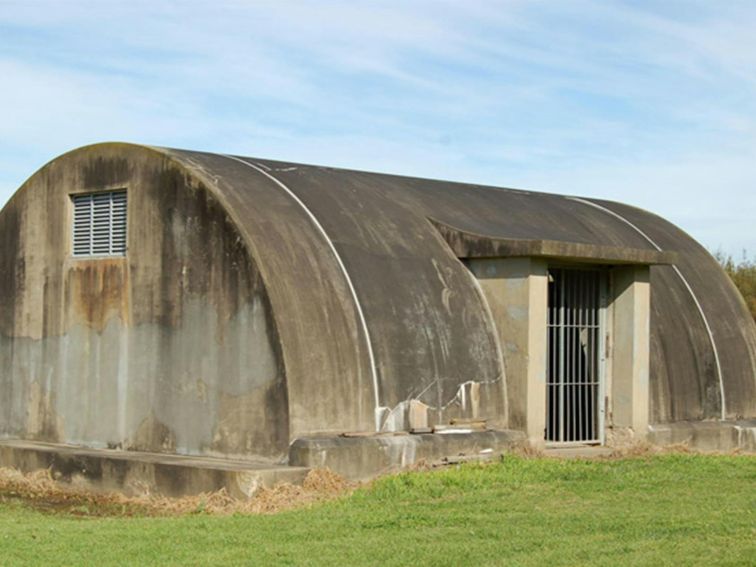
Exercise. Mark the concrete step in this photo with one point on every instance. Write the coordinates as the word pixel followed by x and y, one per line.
pixel 365 457
pixel 717 436
pixel 136 473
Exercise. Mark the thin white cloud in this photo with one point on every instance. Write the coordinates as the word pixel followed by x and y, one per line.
pixel 644 103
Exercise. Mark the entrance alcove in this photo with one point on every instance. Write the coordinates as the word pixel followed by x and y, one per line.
pixel 573 324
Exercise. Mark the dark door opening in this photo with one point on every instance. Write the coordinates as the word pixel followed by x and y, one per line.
pixel 574 343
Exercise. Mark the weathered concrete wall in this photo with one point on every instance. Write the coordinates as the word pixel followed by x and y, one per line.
pixel 171 348
pixel 517 292
pixel 240 268
pixel 685 383
pixel 329 385
pixel 430 336
pixel 629 393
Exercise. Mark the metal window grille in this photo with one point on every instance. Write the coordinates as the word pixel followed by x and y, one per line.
pixel 575 362
pixel 99 224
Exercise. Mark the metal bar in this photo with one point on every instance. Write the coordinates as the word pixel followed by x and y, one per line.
pixel 584 277
pixel 573 352
pixel 555 373
pixel 576 355
pixel 550 352
pixel 594 392
pixel 589 377
pixel 568 413
pixel 589 350
pixel 568 354
pixel 584 353
pixel 594 378
pixel 589 383
pixel 594 333
pixel 561 357
pixel 600 417
pixel 550 346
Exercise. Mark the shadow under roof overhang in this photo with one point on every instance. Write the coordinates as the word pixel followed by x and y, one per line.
pixel 469 245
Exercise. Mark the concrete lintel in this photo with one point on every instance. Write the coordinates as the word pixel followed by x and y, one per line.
pixel 469 245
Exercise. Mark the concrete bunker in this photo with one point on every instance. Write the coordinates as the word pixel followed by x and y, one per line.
pixel 159 305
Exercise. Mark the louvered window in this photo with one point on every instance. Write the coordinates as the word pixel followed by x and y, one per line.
pixel 99 224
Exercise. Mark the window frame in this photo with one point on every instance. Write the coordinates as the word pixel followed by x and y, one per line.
pixel 116 228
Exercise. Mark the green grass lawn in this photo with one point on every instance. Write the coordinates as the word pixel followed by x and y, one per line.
pixel 664 510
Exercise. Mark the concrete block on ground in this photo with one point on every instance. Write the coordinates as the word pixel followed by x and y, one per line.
pixel 367 457
pixel 706 435
pixel 418 414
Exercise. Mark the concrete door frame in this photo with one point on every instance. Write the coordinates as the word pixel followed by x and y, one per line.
pixel 517 293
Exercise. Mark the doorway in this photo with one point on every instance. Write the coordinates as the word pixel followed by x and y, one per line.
pixel 575 343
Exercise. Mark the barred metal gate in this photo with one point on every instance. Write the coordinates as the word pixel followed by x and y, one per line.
pixel 575 363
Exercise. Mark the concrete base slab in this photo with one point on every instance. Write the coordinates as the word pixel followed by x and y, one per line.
pixel 136 473
pixel 706 435
pixel 362 458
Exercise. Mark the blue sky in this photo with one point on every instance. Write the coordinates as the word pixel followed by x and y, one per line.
pixel 650 103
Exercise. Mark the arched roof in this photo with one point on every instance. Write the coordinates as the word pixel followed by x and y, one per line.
pixel 365 285
pixel 381 226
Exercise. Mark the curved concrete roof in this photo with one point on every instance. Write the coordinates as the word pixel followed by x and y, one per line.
pixel 419 305
pixel 366 286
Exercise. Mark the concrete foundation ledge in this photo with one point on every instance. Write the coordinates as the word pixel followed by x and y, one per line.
pixel 707 435
pixel 136 473
pixel 362 458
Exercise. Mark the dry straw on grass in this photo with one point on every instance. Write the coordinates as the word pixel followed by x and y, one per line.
pixel 43 492
pixel 40 490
